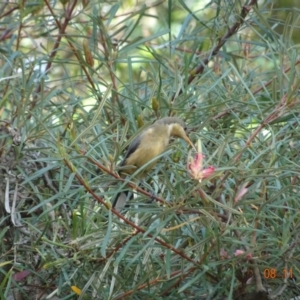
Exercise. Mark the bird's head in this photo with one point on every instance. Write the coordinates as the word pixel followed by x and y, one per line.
pixel 176 127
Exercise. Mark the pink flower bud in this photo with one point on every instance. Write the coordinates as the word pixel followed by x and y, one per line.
pixel 195 167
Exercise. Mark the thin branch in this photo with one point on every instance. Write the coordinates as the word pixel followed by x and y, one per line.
pixel 231 31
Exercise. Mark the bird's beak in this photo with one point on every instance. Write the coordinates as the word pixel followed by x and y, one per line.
pixel 178 131
pixel 187 139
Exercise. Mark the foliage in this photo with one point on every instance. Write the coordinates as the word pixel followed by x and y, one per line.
pixel 79 80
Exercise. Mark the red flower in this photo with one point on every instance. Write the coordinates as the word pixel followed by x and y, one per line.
pixel 195 165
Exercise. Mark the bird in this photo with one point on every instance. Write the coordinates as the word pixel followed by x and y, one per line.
pixel 150 143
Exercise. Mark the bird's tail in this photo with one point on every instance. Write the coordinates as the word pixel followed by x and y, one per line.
pixel 121 199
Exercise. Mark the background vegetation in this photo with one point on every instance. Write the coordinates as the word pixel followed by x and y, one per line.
pixel 79 79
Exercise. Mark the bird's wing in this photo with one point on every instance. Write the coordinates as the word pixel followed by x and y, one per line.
pixel 131 148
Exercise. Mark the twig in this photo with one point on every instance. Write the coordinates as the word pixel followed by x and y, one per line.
pixel 231 31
